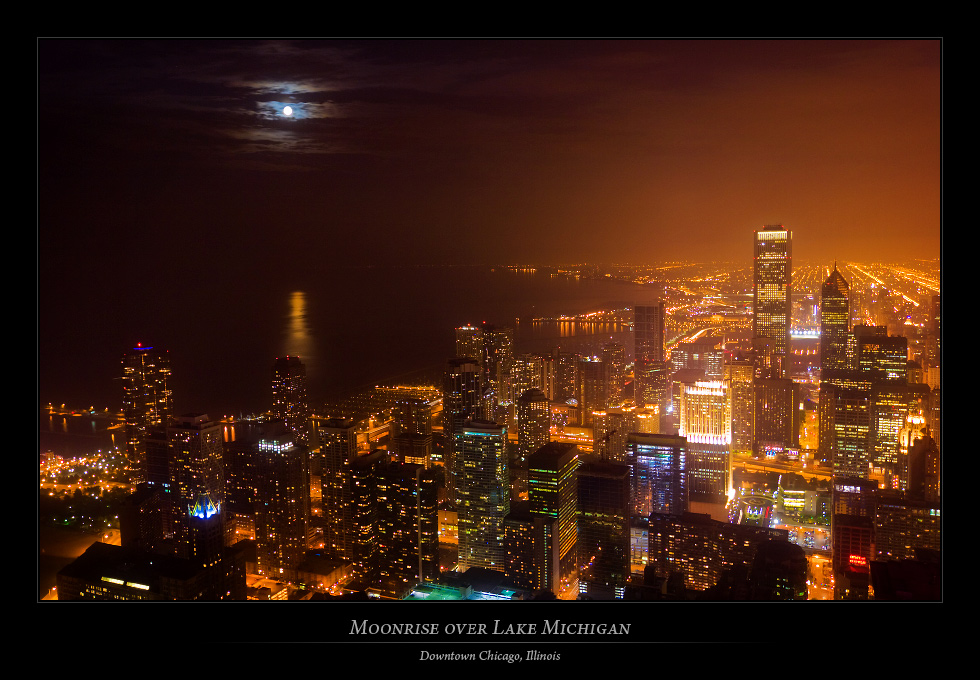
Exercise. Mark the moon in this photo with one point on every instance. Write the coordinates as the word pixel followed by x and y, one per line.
pixel 288 111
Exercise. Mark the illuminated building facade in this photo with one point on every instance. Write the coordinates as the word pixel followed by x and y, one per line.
pixel 738 376
pixel 279 474
pixel 705 422
pixel 197 468
pixel 147 401
pixel 469 342
pixel 553 493
pixel 410 434
pixel 461 402
pixel 533 432
pixel 614 372
pixel 772 300
pixel 334 443
pixel 408 526
pixel 289 400
pixel 777 415
pixel 835 323
pixel 590 389
pixel 483 491
pixel 701 548
pixel 531 543
pixel 603 529
pixel 611 429
pixel 658 473
pixel 903 524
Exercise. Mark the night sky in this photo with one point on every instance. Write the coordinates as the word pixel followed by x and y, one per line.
pixel 486 151
pixel 169 163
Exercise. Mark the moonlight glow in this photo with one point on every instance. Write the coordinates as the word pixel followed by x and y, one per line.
pixel 288 111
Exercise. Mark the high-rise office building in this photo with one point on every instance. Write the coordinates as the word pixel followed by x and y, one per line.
pixel 533 432
pixel 614 369
pixel 649 369
pixel 603 529
pixel 469 342
pixel 648 333
pixel 772 300
pixel 410 434
pixel 147 401
pixel 483 492
pixel 835 324
pixel 462 396
pixel 289 399
pixel 590 389
pixel 658 473
pixel 553 492
pixel 738 377
pixel 777 415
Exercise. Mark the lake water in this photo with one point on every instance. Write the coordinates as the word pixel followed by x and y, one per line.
pixel 352 327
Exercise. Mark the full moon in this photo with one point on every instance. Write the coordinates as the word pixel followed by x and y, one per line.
pixel 288 111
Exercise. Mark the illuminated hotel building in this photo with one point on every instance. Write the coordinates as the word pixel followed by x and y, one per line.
pixel 772 303
pixel 483 491
pixel 706 424
pixel 289 401
pixel 147 401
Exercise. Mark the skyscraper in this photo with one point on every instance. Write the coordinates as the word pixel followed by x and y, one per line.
pixel 650 383
pixel 197 471
pixel 658 473
pixel 835 319
pixel 603 529
pixel 334 440
pixel 533 432
pixel 289 400
pixel 280 477
pixel 772 303
pixel 553 492
pixel 483 490
pixel 147 401
pixel 461 402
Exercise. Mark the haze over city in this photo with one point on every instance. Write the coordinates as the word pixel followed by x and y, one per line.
pixel 490 319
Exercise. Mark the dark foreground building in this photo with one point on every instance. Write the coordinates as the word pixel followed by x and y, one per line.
pixel 110 572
